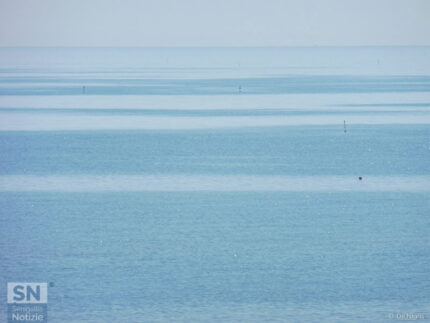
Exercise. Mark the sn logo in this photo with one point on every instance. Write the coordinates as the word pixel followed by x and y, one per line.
pixel 27 293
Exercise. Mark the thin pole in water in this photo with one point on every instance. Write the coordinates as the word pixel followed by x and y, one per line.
pixel 83 90
pixel 344 126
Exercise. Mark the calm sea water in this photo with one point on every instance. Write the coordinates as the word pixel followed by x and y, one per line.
pixel 217 185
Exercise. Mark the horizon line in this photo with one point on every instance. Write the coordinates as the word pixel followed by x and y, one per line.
pixel 213 47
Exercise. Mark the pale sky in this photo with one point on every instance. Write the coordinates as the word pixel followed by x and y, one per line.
pixel 214 22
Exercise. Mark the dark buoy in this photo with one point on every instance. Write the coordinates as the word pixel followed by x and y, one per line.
pixel 360 178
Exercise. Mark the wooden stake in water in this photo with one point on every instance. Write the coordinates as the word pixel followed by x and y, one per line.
pixel 344 126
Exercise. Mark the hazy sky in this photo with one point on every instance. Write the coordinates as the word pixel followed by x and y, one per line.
pixel 214 22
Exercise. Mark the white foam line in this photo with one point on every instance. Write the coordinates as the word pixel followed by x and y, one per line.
pixel 212 102
pixel 58 122
pixel 23 85
pixel 154 183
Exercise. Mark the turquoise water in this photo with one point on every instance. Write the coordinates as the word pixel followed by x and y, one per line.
pixel 163 192
pixel 142 256
pixel 366 150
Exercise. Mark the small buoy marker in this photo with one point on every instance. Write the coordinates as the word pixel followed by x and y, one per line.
pixel 360 178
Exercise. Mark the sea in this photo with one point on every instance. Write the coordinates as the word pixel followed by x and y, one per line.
pixel 217 184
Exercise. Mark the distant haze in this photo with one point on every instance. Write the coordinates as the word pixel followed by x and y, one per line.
pixel 214 22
